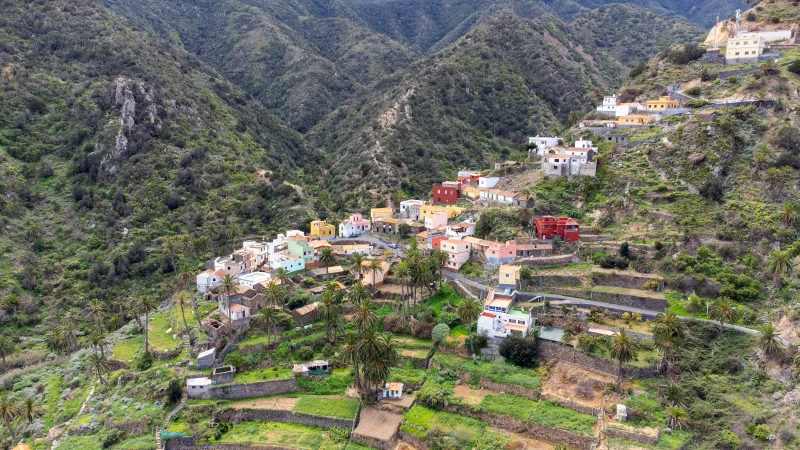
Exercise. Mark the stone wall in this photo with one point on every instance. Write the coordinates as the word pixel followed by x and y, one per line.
pixel 546 261
pixel 623 279
pixel 558 352
pixel 536 430
pixel 499 387
pixel 570 405
pixel 373 442
pixel 258 389
pixel 269 415
pixel 635 301
pixel 183 446
pixel 631 435
pixel 130 427
pixel 554 280
pixel 416 442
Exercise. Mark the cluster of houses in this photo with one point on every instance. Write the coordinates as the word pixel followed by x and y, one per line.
pixel 500 316
pixel 474 186
pixel 560 161
pixel 637 114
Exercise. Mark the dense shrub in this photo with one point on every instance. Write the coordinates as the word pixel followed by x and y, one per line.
pixel 305 353
pixel 614 262
pixel 521 351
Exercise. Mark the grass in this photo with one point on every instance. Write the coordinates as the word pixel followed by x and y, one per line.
pixel 446 294
pixel 421 420
pixel 81 443
pixel 159 339
pixel 266 374
pixel 545 413
pixel 290 435
pixel 407 374
pixel 670 441
pixel 340 408
pixel 334 384
pixel 145 442
pixel 497 371
pixel 128 349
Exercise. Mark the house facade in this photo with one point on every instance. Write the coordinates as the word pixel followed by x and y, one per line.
pixel 353 226
pixel 468 177
pixel 634 120
pixel 392 390
pixel 258 252
pixel 298 246
pixel 250 280
pixel 407 208
pixel 460 230
pixel 744 49
pixel 435 221
pixel 323 229
pixel 429 210
pixel 661 105
pixel 199 387
pixel 565 228
pixel 287 262
pixel 609 105
pixel 501 253
pixel 470 192
pixel 541 144
pixel 560 165
pixel 377 213
pixel 457 253
pixel 444 195
pixel 209 279
pixel 487 182
pixel 500 318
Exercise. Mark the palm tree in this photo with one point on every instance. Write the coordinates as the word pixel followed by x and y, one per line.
pixel 233 231
pixel 54 341
pixel 186 276
pixel 623 350
pixel 401 273
pixel 370 350
pixel 228 285
pixel 668 330
pixel 376 267
pixel 183 300
pixel 211 232
pixel 9 411
pixel 147 305
pixel 267 317
pixel 468 311
pixel 70 332
pixel 31 410
pixel 275 294
pixel 441 260
pixel 358 293
pixel 790 214
pixel 335 326
pixel 350 355
pixel 768 340
pixel 96 311
pixel 283 276
pixel 677 417
pixel 779 265
pixel 357 266
pixel 170 249
pixel 327 259
pixel 99 365
pixel 723 310
pixel 6 349
pixel 97 340
pixel 365 318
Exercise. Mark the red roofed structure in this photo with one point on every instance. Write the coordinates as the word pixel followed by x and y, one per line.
pixel 565 228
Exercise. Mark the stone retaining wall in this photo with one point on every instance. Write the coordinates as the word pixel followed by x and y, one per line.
pixel 626 279
pixel 373 442
pixel 269 415
pixel 631 435
pixel 634 301
pixel 555 280
pixel 547 260
pixel 258 389
pixel 536 430
pixel 571 405
pixel 131 427
pixel 515 389
pixel 558 352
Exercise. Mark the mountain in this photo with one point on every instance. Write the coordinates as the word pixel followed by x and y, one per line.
pixel 477 100
pixel 110 142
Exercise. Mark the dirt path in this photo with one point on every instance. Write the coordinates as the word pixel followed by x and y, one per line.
pixel 57 430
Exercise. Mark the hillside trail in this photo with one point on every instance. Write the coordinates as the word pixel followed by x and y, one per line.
pixel 57 430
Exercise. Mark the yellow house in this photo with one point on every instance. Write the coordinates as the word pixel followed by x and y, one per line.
pixel 743 50
pixel 662 104
pixel 509 274
pixel 432 210
pixel 634 120
pixel 323 229
pixel 470 192
pixel 377 213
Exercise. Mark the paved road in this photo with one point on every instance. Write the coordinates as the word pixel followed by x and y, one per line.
pixel 558 300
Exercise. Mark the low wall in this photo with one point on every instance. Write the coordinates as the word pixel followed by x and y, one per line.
pixel 631 435
pixel 634 301
pixel 131 427
pixel 373 442
pixel 258 389
pixel 536 430
pixel 182 446
pixel 555 280
pixel 515 389
pixel 558 352
pixel 571 405
pixel 623 279
pixel 269 415
pixel 416 442
pixel 546 261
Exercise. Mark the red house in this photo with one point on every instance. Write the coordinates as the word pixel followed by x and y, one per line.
pixel 444 195
pixel 469 178
pixel 565 228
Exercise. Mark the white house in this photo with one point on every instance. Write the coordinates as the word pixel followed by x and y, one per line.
pixel 497 195
pixel 273 245
pixel 487 182
pixel 199 387
pixel 289 263
pixel 572 161
pixel 235 312
pixel 407 205
pixel 581 143
pixel 460 230
pixel 249 280
pixel 293 233
pixel 609 105
pixel 209 279
pixel 393 390
pixel 584 154
pixel 543 144
pixel 355 225
pixel 258 250
pixel 626 109
pixel 500 318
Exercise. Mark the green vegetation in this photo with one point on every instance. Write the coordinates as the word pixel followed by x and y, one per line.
pixel 266 374
pixel 301 437
pixel 424 422
pixel 161 339
pixel 341 408
pixel 545 413
pixel 127 349
pixel 497 371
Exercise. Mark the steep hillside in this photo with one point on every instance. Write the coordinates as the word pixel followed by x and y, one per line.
pixel 112 144
pixel 300 59
pixel 464 106
pixel 639 35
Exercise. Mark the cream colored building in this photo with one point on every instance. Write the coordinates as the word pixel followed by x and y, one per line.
pixel 744 50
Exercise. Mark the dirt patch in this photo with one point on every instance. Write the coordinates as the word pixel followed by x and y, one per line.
pixel 274 403
pixel 378 424
pixel 404 446
pixel 413 353
pixel 570 382
pixel 519 441
pixel 473 396
pixel 391 289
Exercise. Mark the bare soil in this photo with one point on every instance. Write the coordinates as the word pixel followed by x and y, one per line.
pixel 413 353
pixel 378 424
pixel 390 289
pixel 565 377
pixel 274 403
pixel 404 446
pixel 472 396
pixel 522 442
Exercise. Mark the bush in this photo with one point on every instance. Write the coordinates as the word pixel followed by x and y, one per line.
pixel 694 91
pixel 730 440
pixel 305 353
pixel 479 341
pixel 174 391
pixel 762 432
pixel 521 351
pixel 794 67
pixel 339 434
pixel 686 54
pixel 638 70
pixel 625 250
pixel 143 362
pixel 651 285
pixel 614 262
pixel 751 17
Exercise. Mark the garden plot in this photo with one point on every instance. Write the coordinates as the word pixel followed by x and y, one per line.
pixel 576 384
pixel 274 403
pixel 335 406
pixel 472 396
pixel 378 424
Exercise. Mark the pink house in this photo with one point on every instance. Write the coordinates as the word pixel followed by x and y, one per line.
pixel 354 225
pixel 435 221
pixel 499 253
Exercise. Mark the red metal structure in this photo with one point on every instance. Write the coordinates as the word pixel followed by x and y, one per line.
pixel 567 229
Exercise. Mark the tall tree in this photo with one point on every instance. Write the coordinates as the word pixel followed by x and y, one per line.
pixel 790 214
pixel 275 294
pixel 768 340
pixel 7 348
pixel 233 231
pixel 779 265
pixel 723 310
pixel 98 342
pixel 146 306
pixel 438 336
pixel 170 248
pixel 186 276
pixel 229 286
pixel 31 410
pixel 468 311
pixel 441 261
pixel 99 365
pixel 357 266
pixel 358 293
pixel 97 312
pixel 9 411
pixel 375 267
pixel 668 331
pixel 677 417
pixel 623 350
pixel 283 276
pixel 350 355
pixel 365 318
pixel 401 274
pixel 327 259
pixel 267 317
pixel 184 300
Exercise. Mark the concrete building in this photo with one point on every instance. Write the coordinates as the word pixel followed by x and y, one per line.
pixel 444 195
pixel 209 279
pixel 205 360
pixel 565 228
pixel 300 247
pixel 460 230
pixel 199 387
pixel 457 253
pixel 323 229
pixel 435 221
pixel 500 318
pixel 541 145
pixel 487 182
pixel 376 213
pixel 393 390
pixel 406 208
pixel 353 226
pixel 744 49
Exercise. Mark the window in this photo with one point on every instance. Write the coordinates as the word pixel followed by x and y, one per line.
pixel 746 53
pixel 737 43
pixel 737 53
pixel 745 42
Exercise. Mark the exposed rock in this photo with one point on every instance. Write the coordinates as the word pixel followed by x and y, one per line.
pixel 697 158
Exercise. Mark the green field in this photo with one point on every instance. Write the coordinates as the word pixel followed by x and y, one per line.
pixel 420 420
pixel 127 349
pixel 159 338
pixel 265 374
pixel 497 371
pixel 545 413
pixel 340 408
pixel 290 435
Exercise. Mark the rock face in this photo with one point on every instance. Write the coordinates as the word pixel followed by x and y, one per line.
pixel 125 99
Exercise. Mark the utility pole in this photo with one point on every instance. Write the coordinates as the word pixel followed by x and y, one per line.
pixel 716 31
pixel 736 29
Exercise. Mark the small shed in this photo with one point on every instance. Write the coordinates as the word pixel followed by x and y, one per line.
pixel 622 412
pixel 205 360
pixel 313 368
pixel 223 374
pixel 199 387
pixel 393 390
